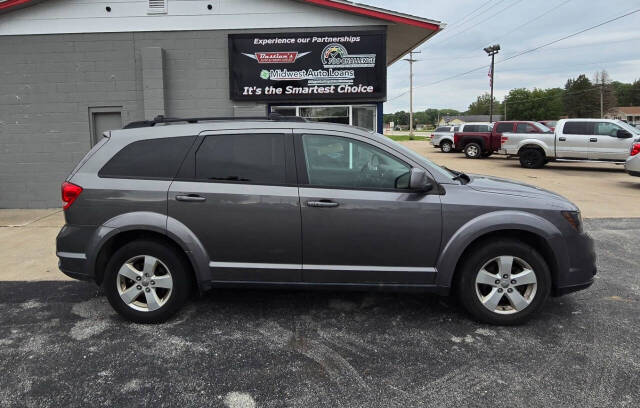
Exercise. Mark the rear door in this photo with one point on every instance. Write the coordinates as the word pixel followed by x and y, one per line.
pixel 237 192
pixel 608 145
pixel 574 140
pixel 360 223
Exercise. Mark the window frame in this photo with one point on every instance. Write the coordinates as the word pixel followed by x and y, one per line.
pixel 187 171
pixel 301 163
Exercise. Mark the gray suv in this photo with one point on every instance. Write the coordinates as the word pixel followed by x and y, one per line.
pixel 167 207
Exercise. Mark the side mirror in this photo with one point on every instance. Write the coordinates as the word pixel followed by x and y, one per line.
pixel 419 181
pixel 623 134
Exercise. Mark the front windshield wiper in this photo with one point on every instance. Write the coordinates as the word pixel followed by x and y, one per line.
pixel 463 178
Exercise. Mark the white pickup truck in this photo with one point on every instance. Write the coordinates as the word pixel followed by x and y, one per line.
pixel 606 140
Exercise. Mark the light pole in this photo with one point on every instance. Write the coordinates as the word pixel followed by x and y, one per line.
pixel 411 61
pixel 491 51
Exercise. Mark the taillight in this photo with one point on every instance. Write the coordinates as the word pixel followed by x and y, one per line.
pixel 69 193
pixel 635 149
pixel 504 139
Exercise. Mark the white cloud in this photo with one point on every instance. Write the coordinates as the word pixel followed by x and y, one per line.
pixel 611 47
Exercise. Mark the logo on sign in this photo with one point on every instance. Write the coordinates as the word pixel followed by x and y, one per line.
pixel 276 57
pixel 336 56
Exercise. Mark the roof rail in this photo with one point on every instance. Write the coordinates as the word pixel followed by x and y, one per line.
pixel 276 117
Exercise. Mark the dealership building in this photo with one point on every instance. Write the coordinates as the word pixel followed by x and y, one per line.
pixel 72 69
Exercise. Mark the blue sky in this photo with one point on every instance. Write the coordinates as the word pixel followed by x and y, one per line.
pixel 459 48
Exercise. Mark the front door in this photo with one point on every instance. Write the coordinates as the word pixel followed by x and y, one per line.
pixel 609 146
pixel 237 192
pixel 360 223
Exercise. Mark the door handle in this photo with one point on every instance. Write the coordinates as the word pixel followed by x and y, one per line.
pixel 190 197
pixel 562 139
pixel 322 203
pixel 593 139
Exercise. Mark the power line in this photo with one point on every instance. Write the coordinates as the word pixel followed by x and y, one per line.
pixel 481 22
pixel 522 52
pixel 462 20
pixel 531 21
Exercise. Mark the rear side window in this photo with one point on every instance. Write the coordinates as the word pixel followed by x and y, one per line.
pixel 148 159
pixel 525 128
pixel 504 127
pixel 443 129
pixel 578 128
pixel 253 158
pixel 476 128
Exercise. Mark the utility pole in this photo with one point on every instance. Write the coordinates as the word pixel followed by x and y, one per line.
pixel 492 51
pixel 601 98
pixel 505 109
pixel 411 61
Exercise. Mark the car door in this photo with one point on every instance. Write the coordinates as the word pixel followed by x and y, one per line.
pixel 608 145
pixel 575 140
pixel 237 192
pixel 360 223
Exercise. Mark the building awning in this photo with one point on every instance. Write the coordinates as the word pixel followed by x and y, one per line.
pixel 404 31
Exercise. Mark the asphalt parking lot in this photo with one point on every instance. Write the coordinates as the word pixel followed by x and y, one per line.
pixel 62 345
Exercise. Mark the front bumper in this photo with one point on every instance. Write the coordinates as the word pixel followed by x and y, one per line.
pixel 582 267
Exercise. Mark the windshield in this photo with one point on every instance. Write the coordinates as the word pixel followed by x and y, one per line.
pixel 626 126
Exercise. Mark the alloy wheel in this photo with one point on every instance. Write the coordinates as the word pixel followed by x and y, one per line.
pixel 472 151
pixel 506 284
pixel 144 283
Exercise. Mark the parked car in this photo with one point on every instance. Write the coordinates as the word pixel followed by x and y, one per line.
pixel 163 207
pixel 551 124
pixel 442 137
pixel 476 144
pixel 632 164
pixel 573 140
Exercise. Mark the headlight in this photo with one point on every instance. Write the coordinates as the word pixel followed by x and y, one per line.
pixel 574 218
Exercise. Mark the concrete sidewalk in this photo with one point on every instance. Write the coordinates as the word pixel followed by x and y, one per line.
pixel 28 244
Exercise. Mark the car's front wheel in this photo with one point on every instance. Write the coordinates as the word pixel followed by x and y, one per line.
pixel 446 146
pixel 532 158
pixel 503 282
pixel 147 281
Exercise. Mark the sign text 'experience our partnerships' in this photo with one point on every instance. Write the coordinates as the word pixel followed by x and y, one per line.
pixel 308 66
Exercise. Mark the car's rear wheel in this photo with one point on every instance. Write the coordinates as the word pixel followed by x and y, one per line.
pixel 147 281
pixel 472 150
pixel 503 282
pixel 531 158
pixel 446 146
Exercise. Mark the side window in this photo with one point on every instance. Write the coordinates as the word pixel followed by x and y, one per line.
pixel 504 127
pixel 148 159
pixel 253 158
pixel 525 128
pixel 483 128
pixel 470 128
pixel 607 129
pixel 341 162
pixel 578 128
pixel 456 128
pixel 442 129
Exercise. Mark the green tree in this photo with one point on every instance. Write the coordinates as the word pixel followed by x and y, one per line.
pixel 581 99
pixel 482 105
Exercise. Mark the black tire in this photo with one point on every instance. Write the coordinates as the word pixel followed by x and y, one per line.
pixel 470 268
pixel 180 273
pixel 446 146
pixel 473 150
pixel 532 158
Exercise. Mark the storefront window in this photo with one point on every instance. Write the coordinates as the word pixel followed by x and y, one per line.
pixel 364 116
pixel 333 114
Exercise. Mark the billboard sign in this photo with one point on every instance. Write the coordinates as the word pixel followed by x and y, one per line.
pixel 308 66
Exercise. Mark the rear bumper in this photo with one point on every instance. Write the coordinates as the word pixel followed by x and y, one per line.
pixel 70 250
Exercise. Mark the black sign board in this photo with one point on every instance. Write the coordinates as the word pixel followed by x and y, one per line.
pixel 308 66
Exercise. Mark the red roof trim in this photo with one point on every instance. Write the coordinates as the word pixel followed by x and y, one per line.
pixel 12 3
pixel 374 13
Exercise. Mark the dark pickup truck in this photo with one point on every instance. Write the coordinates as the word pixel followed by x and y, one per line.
pixel 476 144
